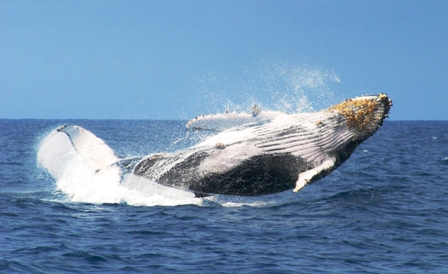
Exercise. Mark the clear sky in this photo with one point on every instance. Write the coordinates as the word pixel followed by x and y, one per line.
pixel 178 59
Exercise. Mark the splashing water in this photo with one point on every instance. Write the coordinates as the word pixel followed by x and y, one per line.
pixel 285 87
pixel 81 184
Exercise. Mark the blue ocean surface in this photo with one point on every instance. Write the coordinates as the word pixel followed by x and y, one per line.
pixel 384 210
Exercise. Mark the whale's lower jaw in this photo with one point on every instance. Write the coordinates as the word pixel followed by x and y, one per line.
pixel 258 175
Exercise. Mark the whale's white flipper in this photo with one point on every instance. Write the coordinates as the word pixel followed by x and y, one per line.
pixel 94 150
pixel 314 174
pixel 220 122
pixel 68 144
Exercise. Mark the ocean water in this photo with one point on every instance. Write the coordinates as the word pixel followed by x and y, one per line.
pixel 384 210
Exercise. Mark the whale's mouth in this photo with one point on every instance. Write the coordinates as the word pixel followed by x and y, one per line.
pixel 364 114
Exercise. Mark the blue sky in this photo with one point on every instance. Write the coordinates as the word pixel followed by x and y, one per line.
pixel 178 59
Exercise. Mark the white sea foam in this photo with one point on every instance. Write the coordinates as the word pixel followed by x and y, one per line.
pixel 253 201
pixel 82 184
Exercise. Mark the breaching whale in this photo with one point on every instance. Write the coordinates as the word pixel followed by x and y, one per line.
pixel 250 154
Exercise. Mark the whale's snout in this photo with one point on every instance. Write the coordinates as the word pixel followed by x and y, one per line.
pixel 364 114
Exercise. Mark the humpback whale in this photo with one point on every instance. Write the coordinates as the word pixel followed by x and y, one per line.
pixel 251 153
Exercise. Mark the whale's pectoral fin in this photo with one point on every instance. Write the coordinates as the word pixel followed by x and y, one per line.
pixel 314 174
pixel 94 150
pixel 73 144
pixel 224 121
pixel 219 122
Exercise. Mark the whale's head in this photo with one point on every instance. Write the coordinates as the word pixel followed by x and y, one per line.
pixel 363 115
pixel 347 125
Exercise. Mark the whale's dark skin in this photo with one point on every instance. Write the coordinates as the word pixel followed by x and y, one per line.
pixel 261 174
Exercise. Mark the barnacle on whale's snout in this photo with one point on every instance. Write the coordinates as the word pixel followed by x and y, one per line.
pixel 364 114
